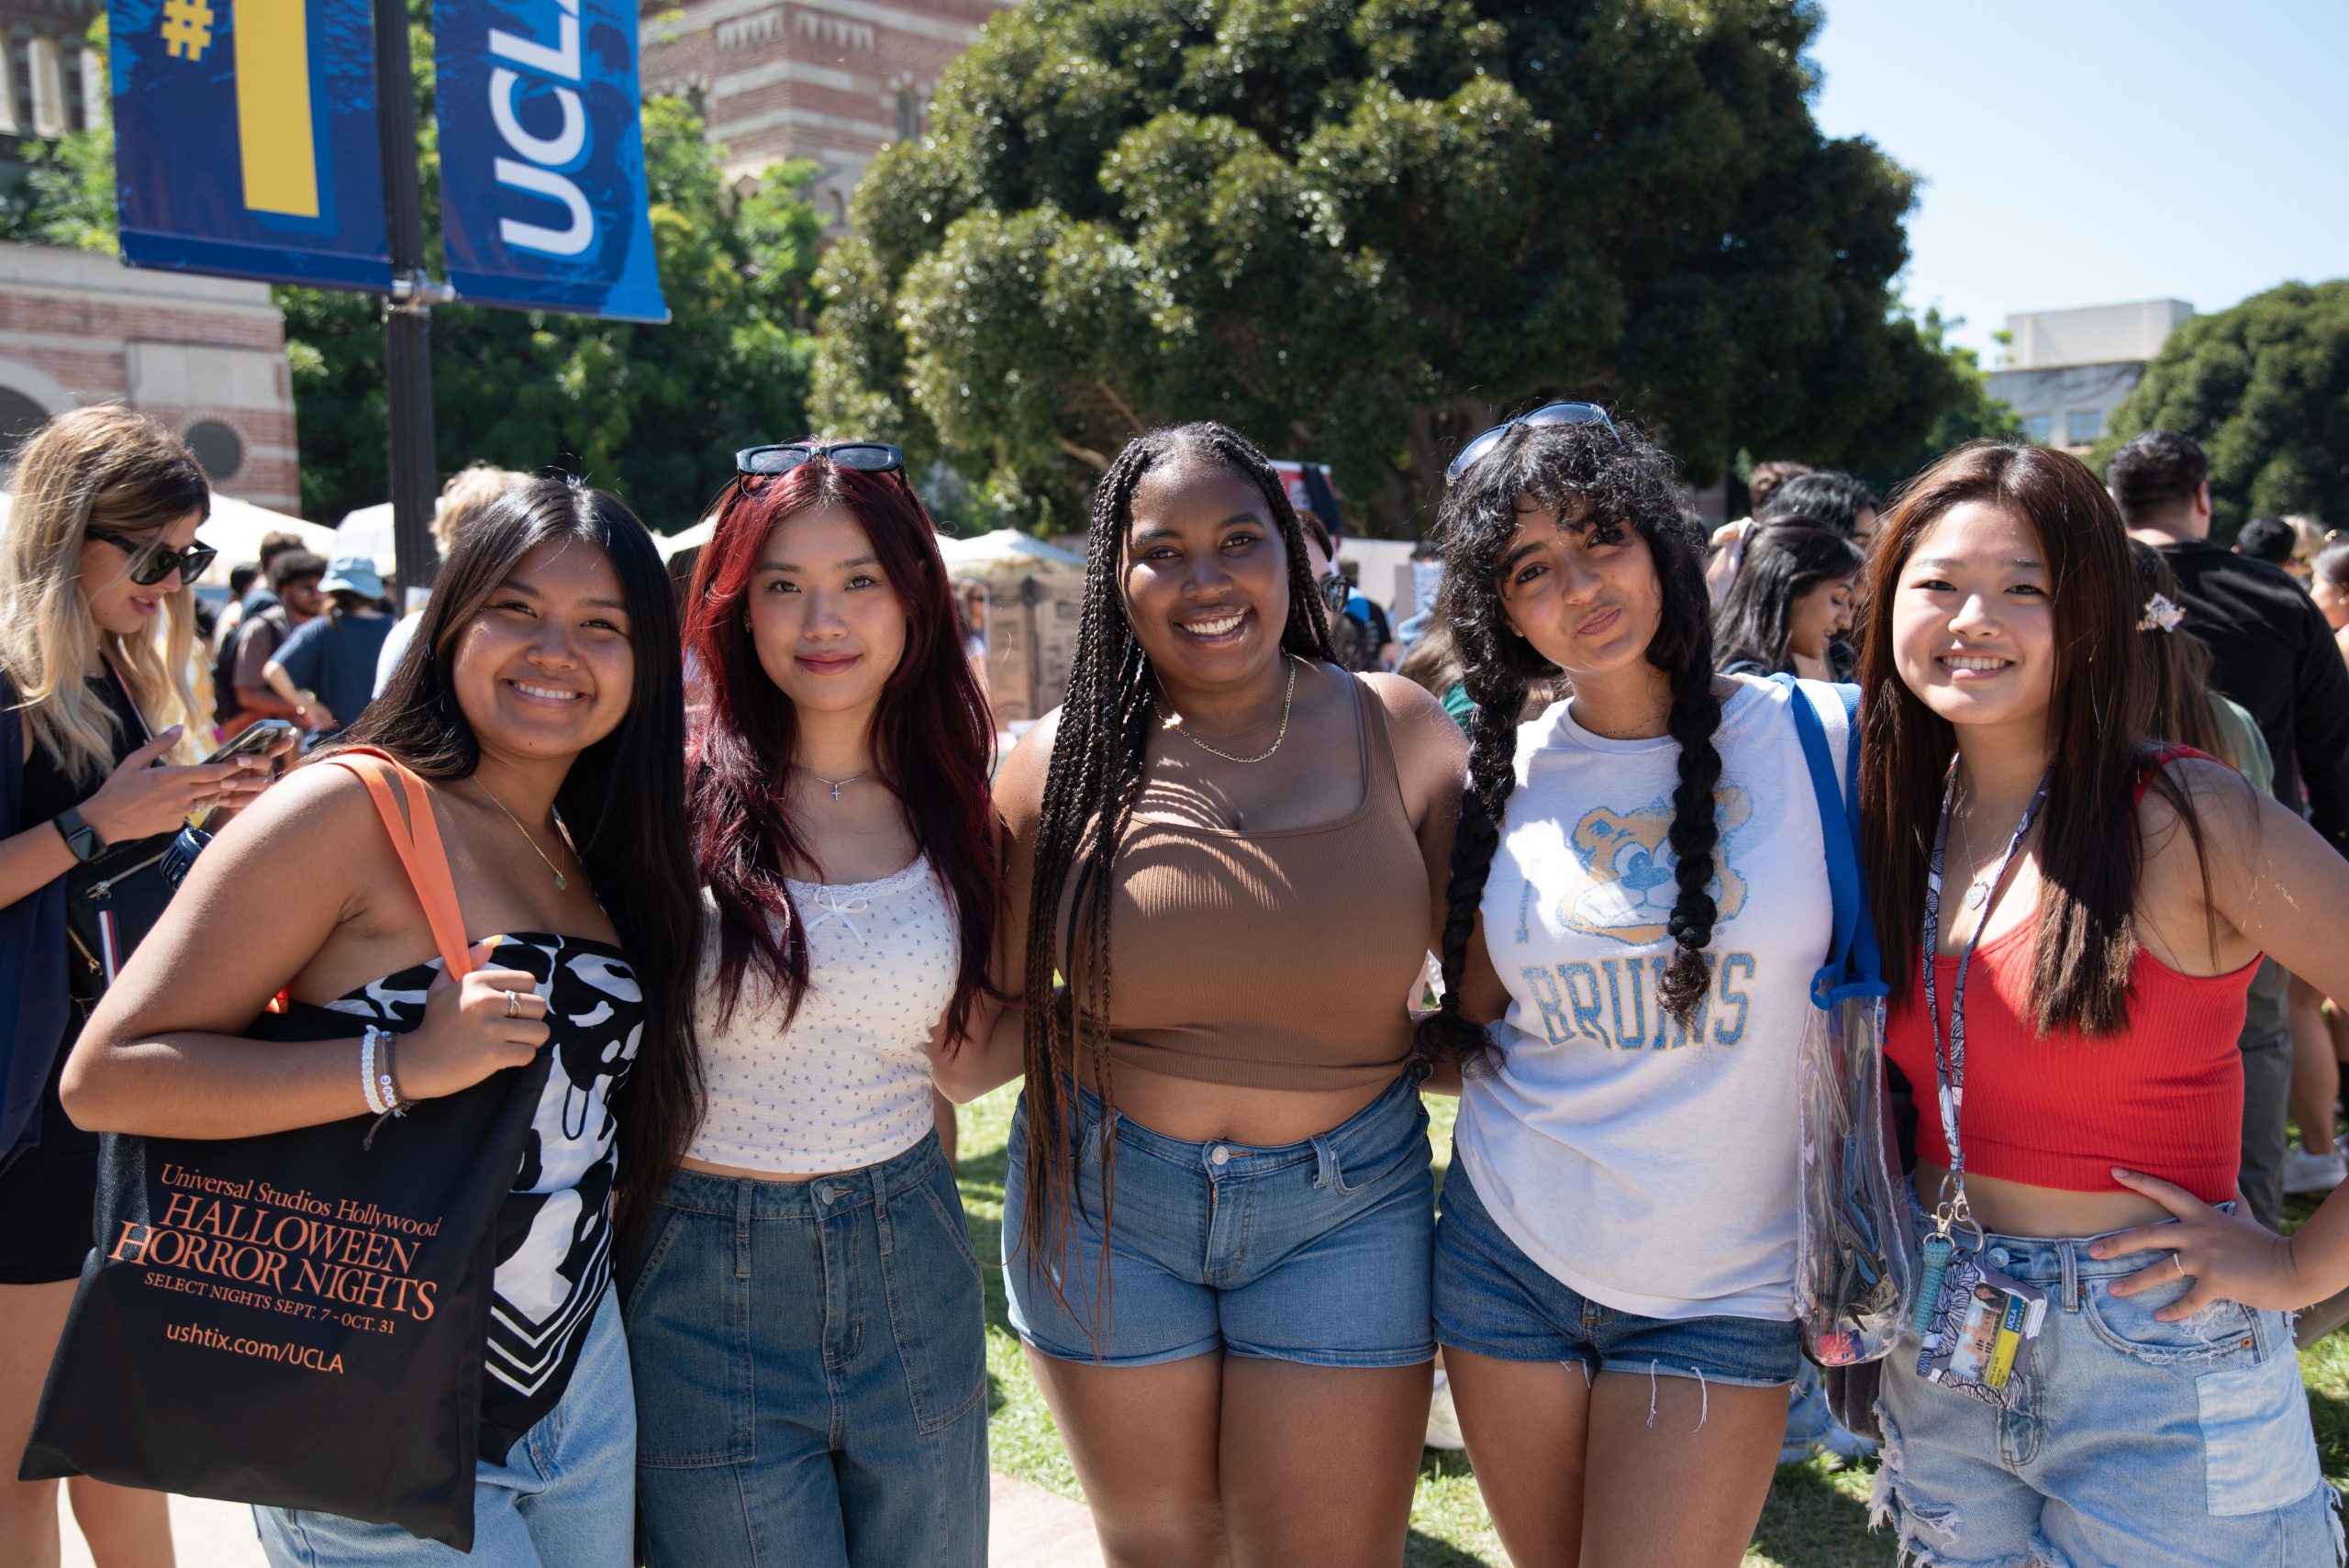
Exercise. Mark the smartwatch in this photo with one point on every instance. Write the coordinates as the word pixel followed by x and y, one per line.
pixel 80 836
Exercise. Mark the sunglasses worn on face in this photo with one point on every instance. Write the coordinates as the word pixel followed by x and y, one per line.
pixel 151 561
pixel 1549 414
pixel 1336 592
pixel 866 457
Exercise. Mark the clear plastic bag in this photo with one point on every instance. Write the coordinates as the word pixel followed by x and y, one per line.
pixel 1855 1276
pixel 1856 1265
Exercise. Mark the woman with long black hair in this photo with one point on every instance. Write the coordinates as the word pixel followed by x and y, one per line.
pixel 1218 1209
pixel 1791 606
pixel 2070 913
pixel 1638 900
pixel 541 705
pixel 811 1245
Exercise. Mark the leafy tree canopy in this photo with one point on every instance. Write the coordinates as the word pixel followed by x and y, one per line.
pixel 2265 387
pixel 1360 230
pixel 652 412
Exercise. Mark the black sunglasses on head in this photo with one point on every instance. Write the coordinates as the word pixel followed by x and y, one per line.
pixel 1548 414
pixel 151 561
pixel 865 457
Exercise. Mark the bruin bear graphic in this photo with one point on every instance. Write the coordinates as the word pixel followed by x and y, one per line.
pixel 1630 865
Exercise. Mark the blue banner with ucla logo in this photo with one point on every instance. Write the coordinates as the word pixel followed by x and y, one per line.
pixel 245 139
pixel 542 192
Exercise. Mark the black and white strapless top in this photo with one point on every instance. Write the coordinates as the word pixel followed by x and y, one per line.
pixel 555 1231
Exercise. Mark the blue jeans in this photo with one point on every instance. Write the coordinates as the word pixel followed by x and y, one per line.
pixel 2137 1442
pixel 564 1498
pixel 1315 1252
pixel 811 1371
pixel 1490 1298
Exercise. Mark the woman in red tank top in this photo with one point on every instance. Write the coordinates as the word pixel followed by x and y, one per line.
pixel 2070 914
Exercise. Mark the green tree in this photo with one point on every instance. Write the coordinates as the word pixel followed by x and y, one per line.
pixel 67 197
pixel 1971 415
pixel 2265 387
pixel 653 413
pixel 1358 228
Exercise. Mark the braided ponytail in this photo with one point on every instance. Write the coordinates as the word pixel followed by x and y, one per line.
pixel 1694 836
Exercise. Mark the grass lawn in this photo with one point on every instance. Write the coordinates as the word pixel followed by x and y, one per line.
pixel 1816 1518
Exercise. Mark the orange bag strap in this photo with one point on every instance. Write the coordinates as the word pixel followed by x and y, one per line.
pixel 417 838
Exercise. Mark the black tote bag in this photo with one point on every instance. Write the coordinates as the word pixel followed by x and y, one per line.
pixel 295 1319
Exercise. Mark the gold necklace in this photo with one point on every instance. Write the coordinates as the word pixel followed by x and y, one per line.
pixel 560 884
pixel 1175 725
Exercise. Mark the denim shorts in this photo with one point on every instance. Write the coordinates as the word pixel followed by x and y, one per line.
pixel 1314 1252
pixel 2135 1441
pixel 811 1371
pixel 1492 1299
pixel 564 1497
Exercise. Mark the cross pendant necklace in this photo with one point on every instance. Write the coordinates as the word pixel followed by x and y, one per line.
pixel 834 785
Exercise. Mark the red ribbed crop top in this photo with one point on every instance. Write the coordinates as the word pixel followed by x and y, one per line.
pixel 2060 1111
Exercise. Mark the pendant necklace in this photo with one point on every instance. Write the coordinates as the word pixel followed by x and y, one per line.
pixel 562 884
pixel 834 785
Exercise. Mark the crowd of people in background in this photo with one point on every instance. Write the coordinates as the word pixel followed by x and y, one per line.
pixel 754 882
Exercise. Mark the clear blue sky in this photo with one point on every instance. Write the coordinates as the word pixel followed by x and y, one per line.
pixel 2085 153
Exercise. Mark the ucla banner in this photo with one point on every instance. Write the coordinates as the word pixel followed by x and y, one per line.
pixel 542 199
pixel 245 139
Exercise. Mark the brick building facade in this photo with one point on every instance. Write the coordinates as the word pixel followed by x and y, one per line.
pixel 205 356
pixel 834 81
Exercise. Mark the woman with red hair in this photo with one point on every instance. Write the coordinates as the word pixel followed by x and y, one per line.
pixel 805 1309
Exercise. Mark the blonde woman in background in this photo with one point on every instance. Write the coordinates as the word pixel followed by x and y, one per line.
pixel 100 726
pixel 468 491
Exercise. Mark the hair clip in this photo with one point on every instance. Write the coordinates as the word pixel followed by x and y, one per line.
pixel 2161 615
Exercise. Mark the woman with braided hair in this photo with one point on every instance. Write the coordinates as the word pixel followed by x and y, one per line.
pixel 1639 899
pixel 1218 1209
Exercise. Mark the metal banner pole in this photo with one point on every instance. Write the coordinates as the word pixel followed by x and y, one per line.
pixel 407 317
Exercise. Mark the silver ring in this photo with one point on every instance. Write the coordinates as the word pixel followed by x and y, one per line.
pixel 513 1006
pixel 2180 1264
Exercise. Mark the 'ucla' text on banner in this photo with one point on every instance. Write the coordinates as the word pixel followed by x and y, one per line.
pixel 542 195
pixel 245 139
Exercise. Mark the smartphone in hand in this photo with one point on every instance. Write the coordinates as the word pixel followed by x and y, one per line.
pixel 252 740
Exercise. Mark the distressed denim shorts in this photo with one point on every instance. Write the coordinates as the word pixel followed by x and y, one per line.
pixel 1494 1300
pixel 2157 1445
pixel 1314 1252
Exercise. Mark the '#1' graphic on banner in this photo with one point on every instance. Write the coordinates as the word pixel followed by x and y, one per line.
pixel 245 139
pixel 542 192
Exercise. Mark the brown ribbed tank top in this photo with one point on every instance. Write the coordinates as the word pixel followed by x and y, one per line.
pixel 1277 960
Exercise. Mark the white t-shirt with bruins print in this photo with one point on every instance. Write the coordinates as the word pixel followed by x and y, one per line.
pixel 1651 1167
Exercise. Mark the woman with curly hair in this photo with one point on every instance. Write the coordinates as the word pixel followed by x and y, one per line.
pixel 1638 900
pixel 1219 1208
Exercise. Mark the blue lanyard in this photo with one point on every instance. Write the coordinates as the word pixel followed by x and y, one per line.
pixel 1949 1052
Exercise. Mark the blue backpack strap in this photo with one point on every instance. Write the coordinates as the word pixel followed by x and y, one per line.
pixel 1852 966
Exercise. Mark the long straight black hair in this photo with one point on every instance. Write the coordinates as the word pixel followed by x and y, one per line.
pixel 1629 482
pixel 623 798
pixel 1090 789
pixel 1784 560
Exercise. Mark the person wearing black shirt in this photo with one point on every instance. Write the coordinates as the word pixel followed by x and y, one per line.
pixel 2270 648
pixel 2273 652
